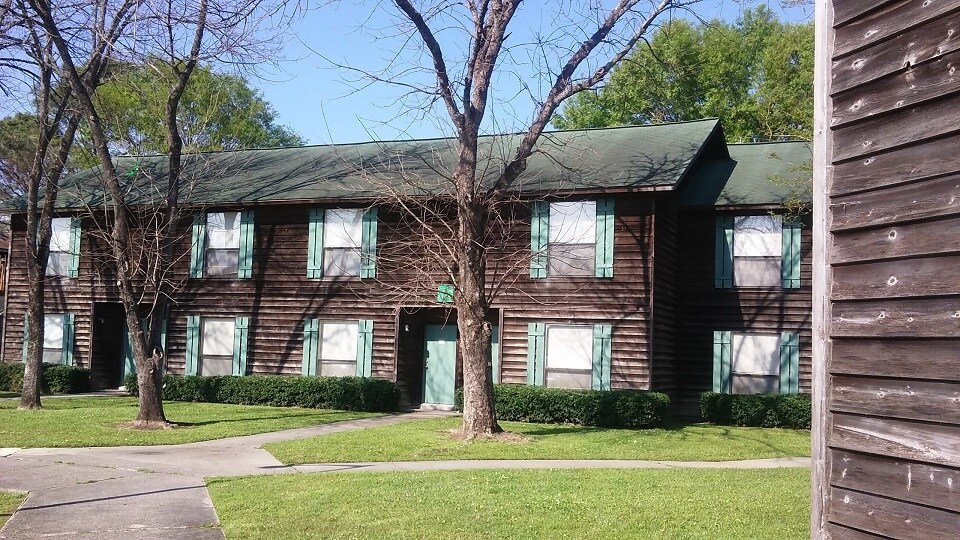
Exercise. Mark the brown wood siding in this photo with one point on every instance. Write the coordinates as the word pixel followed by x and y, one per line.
pixel 622 301
pixel 279 297
pixel 705 308
pixel 891 426
pixel 666 296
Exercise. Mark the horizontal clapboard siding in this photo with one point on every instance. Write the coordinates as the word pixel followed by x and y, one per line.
pixel 279 297
pixel 892 432
pixel 705 309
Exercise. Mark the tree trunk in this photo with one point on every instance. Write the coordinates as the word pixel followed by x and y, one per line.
pixel 33 321
pixel 479 419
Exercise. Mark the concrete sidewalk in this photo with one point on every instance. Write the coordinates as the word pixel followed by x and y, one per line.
pixel 140 492
pixel 460 465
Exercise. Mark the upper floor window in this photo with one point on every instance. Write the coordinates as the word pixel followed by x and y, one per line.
pixel 342 238
pixel 64 247
pixel 757 251
pixel 572 238
pixel 342 242
pixel 223 243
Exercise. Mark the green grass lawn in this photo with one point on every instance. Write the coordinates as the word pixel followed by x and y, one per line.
pixel 556 504
pixel 428 440
pixel 5 394
pixel 8 503
pixel 72 422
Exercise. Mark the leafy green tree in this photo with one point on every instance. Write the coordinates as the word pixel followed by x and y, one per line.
pixel 756 75
pixel 218 111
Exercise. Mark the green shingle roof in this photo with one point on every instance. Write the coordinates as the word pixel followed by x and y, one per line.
pixel 755 174
pixel 635 157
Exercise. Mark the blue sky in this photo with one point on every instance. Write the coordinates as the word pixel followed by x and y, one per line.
pixel 325 103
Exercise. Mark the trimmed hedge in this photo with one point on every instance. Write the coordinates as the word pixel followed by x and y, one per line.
pixel 54 379
pixel 758 410
pixel 345 393
pixel 616 408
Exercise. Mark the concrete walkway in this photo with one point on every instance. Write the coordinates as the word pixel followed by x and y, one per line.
pixel 158 492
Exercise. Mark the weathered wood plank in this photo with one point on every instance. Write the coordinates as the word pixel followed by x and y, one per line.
pixel 847 10
pixel 915 359
pixel 897 241
pixel 899 278
pixel 920 44
pixel 902 439
pixel 904 480
pixel 929 80
pixel 892 518
pixel 908 202
pixel 896 398
pixel 923 318
pixel 839 532
pixel 891 19
pixel 903 127
pixel 933 158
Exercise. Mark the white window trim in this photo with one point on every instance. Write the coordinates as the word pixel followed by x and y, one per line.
pixel 353 245
pixel 586 371
pixel 773 259
pixel 584 241
pixel 320 360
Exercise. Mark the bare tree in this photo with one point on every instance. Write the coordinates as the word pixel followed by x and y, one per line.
pixel 29 61
pixel 573 58
pixel 172 37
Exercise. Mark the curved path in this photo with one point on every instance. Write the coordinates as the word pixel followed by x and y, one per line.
pixel 158 492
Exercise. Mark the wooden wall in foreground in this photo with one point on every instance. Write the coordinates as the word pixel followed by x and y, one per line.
pixel 887 381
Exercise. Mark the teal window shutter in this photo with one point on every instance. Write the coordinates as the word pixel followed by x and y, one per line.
pixel 74 248
pixel 68 333
pixel 240 336
pixel 315 244
pixel 26 335
pixel 495 353
pixel 364 348
pixel 129 363
pixel 790 265
pixel 721 360
pixel 247 232
pixel 193 345
pixel 789 363
pixel 723 253
pixel 163 344
pixel 605 232
pixel 602 345
pixel 539 238
pixel 198 245
pixel 311 342
pixel 536 333
pixel 368 245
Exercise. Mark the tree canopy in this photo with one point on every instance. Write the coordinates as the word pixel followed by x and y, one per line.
pixel 756 75
pixel 218 112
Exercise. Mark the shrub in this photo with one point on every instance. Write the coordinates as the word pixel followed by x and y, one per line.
pixel 758 410
pixel 616 408
pixel 54 379
pixel 346 393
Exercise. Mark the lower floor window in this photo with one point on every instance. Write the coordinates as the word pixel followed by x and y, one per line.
pixel 53 339
pixel 755 363
pixel 337 355
pixel 216 346
pixel 569 356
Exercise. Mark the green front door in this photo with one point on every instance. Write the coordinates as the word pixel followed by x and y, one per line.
pixel 440 360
